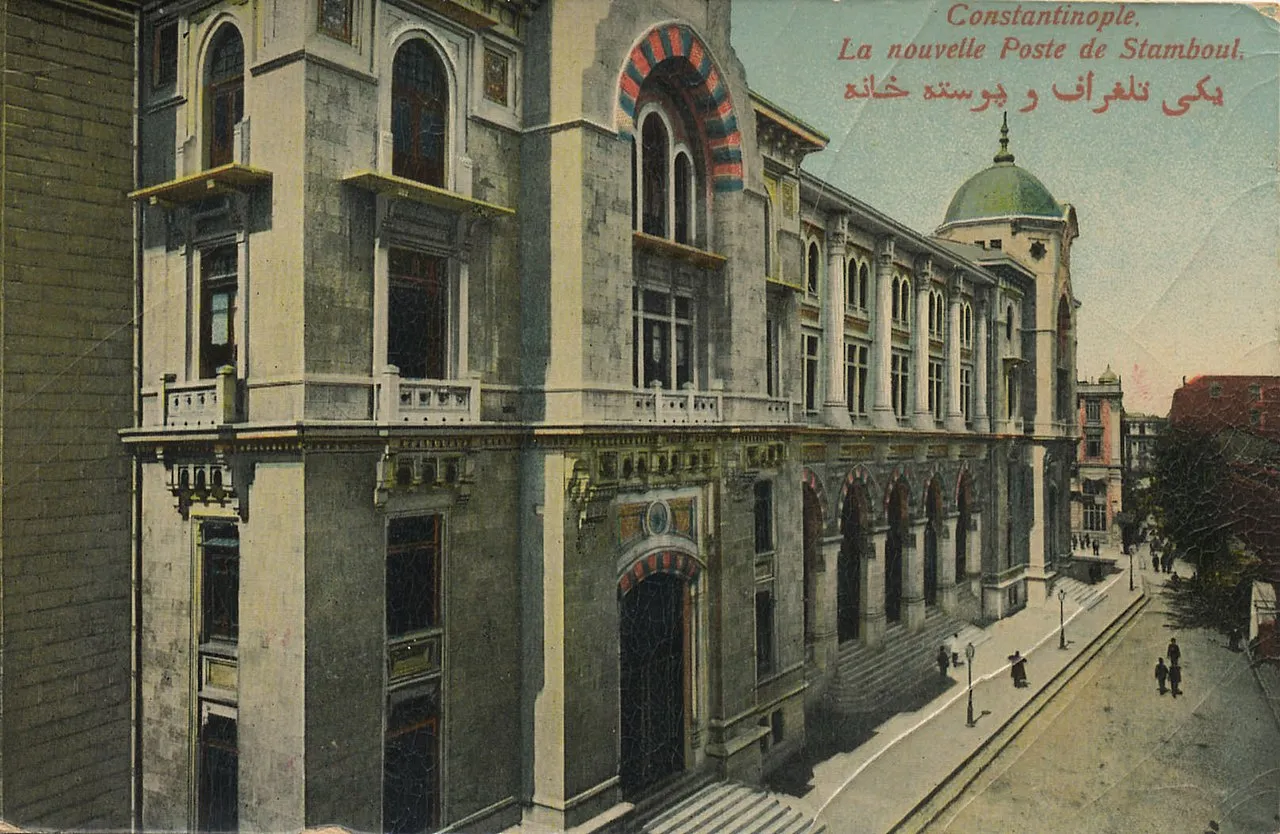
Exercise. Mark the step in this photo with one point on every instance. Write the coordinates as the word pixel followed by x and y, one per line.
pixel 732 808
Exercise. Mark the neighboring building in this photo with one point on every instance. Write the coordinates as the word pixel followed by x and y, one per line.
pixel 1210 404
pixel 522 430
pixel 65 388
pixel 1240 415
pixel 1098 485
pixel 1139 433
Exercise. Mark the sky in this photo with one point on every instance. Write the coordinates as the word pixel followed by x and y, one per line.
pixel 1177 266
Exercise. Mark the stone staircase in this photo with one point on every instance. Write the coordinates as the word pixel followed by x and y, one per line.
pixel 732 808
pixel 1081 593
pixel 871 680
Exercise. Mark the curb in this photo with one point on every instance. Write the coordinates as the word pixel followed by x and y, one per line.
pixel 1272 699
pixel 938 800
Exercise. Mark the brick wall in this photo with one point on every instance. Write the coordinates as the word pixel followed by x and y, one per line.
pixel 67 354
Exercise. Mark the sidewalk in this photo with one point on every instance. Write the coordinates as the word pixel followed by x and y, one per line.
pixel 874 786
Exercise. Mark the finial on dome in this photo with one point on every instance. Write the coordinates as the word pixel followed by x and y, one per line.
pixel 1004 155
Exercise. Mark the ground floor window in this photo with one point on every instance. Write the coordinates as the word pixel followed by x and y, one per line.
pixel 218 756
pixel 411 764
pixel 1095 506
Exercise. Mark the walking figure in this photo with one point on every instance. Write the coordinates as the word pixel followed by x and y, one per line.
pixel 1096 545
pixel 1174 653
pixel 1175 679
pixel 1018 669
pixel 1155 561
pixel 944 660
pixel 1235 639
pixel 1162 673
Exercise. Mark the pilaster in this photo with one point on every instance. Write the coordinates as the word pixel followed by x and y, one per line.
pixel 913 609
pixel 882 416
pixel 871 608
pixel 921 417
pixel 835 412
pixel 982 392
pixel 947 564
pixel 955 414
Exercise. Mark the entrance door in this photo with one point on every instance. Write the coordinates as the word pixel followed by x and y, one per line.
pixel 849 572
pixel 652 681
pixel 893 576
pixel 931 563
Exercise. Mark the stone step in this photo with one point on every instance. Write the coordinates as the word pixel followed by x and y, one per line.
pixel 732 808
pixel 1081 593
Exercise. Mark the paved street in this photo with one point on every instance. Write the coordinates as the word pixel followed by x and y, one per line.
pixel 1111 755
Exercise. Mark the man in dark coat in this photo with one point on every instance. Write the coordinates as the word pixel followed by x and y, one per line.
pixel 1155 561
pixel 1174 653
pixel 1162 673
pixel 1175 679
pixel 944 660
pixel 1018 669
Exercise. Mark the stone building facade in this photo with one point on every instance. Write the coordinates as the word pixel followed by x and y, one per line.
pixel 1099 482
pixel 522 431
pixel 66 302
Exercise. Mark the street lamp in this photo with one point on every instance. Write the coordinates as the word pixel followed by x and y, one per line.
pixel 1062 622
pixel 1130 548
pixel 969 652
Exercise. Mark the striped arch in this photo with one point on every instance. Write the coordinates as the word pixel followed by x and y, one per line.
pixel 811 480
pixel 708 90
pixel 899 477
pixel 965 481
pixel 857 478
pixel 660 561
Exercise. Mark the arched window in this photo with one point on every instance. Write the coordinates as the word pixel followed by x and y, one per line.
pixel 851 283
pixel 814 260
pixel 864 281
pixel 1008 325
pixel 419 114
pixel 1064 331
pixel 654 152
pixel 904 306
pixel 684 198
pixel 223 94
pixel 966 325
pixel 897 299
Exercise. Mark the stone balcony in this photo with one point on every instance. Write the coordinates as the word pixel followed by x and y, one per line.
pixel 426 401
pixel 200 404
pixel 659 406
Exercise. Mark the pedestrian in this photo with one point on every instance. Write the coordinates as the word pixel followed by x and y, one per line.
pixel 1018 669
pixel 1175 679
pixel 1155 561
pixel 1096 545
pixel 943 659
pixel 1074 542
pixel 1235 639
pixel 1174 653
pixel 1162 673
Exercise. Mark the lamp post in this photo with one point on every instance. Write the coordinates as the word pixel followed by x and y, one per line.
pixel 1130 549
pixel 969 652
pixel 1062 621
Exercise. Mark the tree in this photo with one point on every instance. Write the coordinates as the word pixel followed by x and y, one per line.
pixel 1188 488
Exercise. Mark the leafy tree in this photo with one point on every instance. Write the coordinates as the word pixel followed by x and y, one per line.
pixel 1188 487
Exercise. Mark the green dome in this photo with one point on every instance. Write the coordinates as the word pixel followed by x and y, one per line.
pixel 1003 190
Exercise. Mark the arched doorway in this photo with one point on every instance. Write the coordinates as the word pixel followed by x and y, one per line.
pixel 653 628
pixel 894 545
pixel 933 522
pixel 812 555
pixel 963 500
pixel 849 570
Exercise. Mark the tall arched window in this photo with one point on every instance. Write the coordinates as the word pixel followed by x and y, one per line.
pixel 966 325
pixel 769 233
pixel 1008 325
pixel 223 94
pixel 897 298
pixel 684 198
pixel 904 305
pixel 419 114
pixel 851 283
pixel 1064 331
pixel 814 263
pixel 864 282
pixel 654 153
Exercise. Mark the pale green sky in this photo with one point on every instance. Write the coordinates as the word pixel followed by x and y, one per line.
pixel 1178 261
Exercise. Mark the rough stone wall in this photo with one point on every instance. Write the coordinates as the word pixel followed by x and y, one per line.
pixel 67 347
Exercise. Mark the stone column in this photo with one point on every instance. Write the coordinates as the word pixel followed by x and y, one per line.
pixel 882 416
pixel 947 564
pixel 955 414
pixel 981 394
pixel 871 607
pixel 913 576
pixel 973 553
pixel 1040 570
pixel 826 646
pixel 835 412
pixel 922 417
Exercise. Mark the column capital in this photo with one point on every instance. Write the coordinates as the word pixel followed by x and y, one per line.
pixel 837 230
pixel 885 250
pixel 924 269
